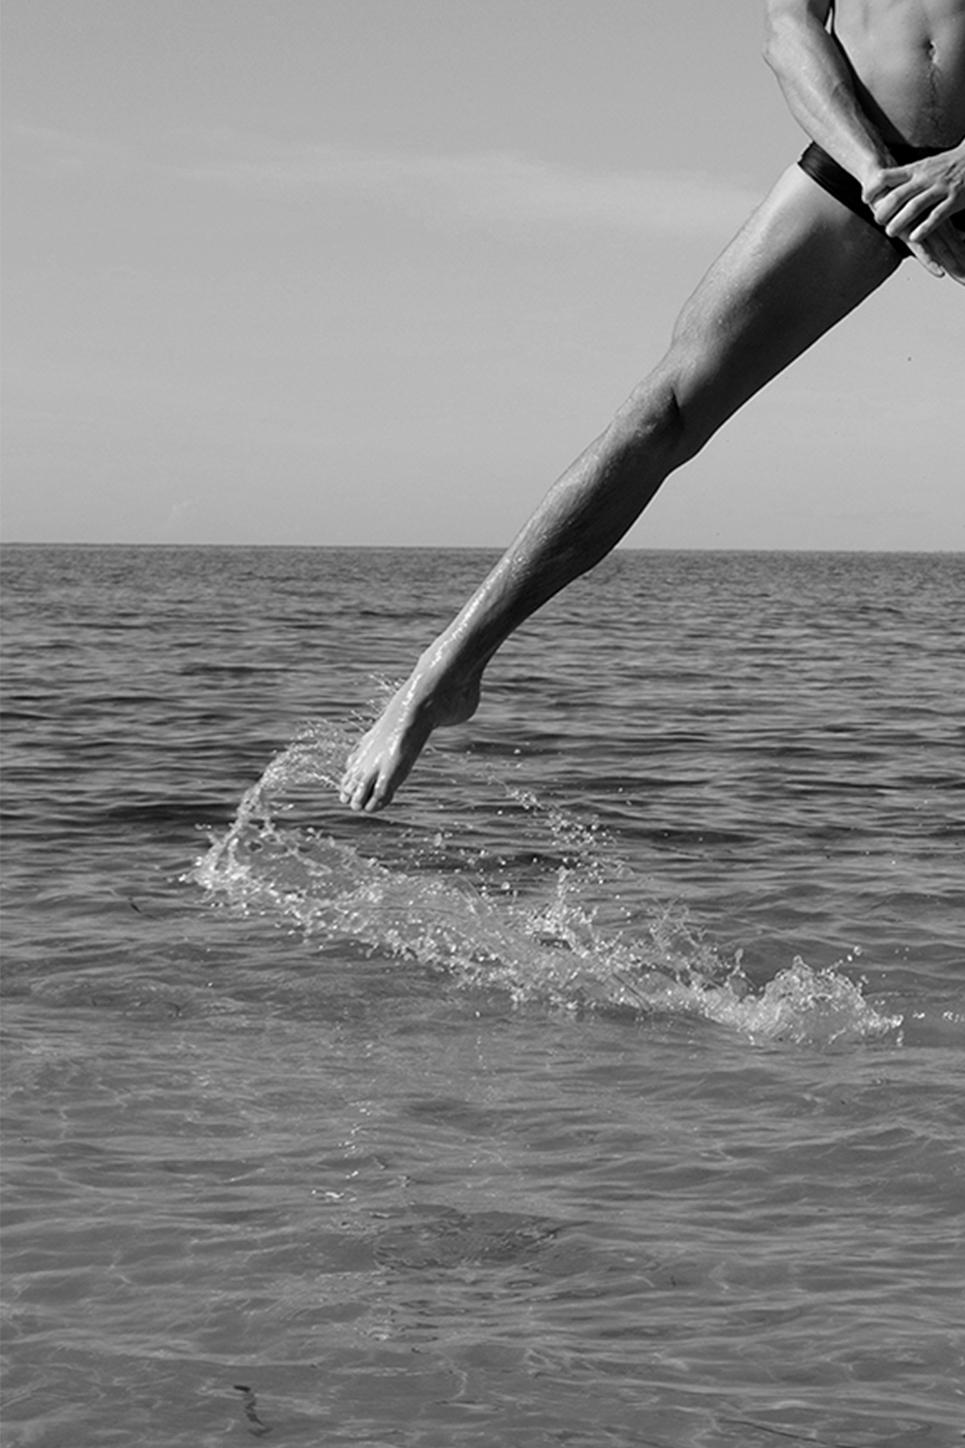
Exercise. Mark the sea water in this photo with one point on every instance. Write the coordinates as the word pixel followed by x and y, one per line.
pixel 606 1090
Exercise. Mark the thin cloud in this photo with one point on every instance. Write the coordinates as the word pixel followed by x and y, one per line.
pixel 500 188
pixel 55 150
pixel 494 187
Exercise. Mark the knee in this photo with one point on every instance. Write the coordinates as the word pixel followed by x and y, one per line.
pixel 658 419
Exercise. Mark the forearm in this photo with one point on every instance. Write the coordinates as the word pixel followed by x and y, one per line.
pixel 819 89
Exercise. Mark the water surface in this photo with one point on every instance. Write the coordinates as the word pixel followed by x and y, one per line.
pixel 606 1090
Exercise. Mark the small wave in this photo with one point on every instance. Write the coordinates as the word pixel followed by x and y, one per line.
pixel 575 945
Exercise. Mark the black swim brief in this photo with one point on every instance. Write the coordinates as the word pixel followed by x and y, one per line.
pixel 840 184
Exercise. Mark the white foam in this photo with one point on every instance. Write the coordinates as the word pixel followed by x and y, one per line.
pixel 486 933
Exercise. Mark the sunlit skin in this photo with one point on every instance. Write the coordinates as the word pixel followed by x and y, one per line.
pixel 859 76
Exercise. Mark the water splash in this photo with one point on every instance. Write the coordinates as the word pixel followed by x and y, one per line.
pixel 577 945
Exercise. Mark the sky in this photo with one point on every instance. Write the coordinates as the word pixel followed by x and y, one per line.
pixel 372 272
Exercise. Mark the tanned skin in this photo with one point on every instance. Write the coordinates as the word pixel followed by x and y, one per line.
pixel 859 76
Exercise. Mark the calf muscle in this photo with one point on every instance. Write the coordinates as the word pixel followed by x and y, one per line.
pixel 801 263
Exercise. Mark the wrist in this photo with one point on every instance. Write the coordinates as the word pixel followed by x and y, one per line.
pixel 870 176
pixel 868 161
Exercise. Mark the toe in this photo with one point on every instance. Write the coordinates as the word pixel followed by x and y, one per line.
pixel 362 793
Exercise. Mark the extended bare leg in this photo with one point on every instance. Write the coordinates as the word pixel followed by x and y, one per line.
pixel 801 263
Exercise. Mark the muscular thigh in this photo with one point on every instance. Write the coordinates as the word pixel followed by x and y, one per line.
pixel 800 264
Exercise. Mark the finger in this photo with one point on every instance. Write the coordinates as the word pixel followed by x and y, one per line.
pixel 939 214
pixel 956 264
pixel 931 265
pixel 942 255
pixel 949 249
pixel 914 213
pixel 888 179
pixel 887 207
pixel 956 272
pixel 925 257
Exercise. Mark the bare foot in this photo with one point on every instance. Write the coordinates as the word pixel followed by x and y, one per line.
pixel 384 756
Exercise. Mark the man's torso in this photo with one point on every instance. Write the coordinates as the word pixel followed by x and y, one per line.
pixel 908 58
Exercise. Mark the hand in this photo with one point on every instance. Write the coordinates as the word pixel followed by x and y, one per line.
pixel 912 202
pixel 945 253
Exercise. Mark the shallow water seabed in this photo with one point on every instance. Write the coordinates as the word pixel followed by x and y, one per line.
pixel 506 1117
